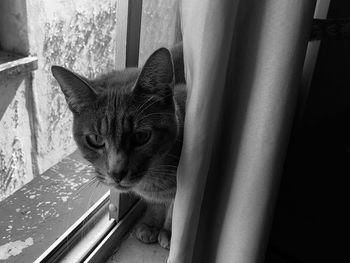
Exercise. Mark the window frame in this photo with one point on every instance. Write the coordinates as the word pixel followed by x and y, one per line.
pixel 115 213
pixel 94 236
pixel 122 209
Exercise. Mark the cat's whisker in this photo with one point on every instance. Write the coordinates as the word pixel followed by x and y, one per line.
pixel 150 104
pixel 163 187
pixel 168 168
pixel 165 172
pixel 173 155
pixel 156 176
pixel 140 173
pixel 89 203
pixel 99 184
pixel 90 198
pixel 143 104
pixel 151 114
pixel 92 180
pixel 167 165
pixel 86 185
pixel 158 113
pixel 164 169
pixel 161 176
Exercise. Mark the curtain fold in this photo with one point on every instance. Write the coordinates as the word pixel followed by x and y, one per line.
pixel 243 62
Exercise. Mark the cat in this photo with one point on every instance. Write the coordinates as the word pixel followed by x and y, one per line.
pixel 129 125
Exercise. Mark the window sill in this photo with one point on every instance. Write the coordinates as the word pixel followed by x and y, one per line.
pixel 12 64
pixel 132 250
pixel 105 241
pixel 41 211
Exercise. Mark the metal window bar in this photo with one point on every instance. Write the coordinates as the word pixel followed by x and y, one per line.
pixel 133 33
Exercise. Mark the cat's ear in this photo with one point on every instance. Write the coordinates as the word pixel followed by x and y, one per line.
pixel 77 91
pixel 157 75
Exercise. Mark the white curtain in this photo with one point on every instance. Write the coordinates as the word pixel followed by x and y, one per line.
pixel 243 61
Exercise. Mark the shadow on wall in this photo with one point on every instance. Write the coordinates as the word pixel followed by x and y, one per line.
pixel 15 128
pixel 13 27
pixel 15 135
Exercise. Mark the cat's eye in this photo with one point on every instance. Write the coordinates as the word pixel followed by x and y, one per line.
pixel 95 141
pixel 141 137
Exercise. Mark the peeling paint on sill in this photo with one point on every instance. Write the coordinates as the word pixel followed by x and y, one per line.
pixel 14 248
pixel 49 204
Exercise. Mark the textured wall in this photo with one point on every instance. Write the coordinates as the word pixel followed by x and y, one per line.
pixel 15 137
pixel 80 35
pixel 158 28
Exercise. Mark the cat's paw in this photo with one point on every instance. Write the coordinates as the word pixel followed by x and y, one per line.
pixel 164 238
pixel 146 234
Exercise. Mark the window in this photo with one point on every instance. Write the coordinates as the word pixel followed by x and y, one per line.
pixel 48 207
pixel 42 174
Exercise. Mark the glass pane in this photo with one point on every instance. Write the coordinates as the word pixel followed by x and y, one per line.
pixel 42 191
pixel 33 217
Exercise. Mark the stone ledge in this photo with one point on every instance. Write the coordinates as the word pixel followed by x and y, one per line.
pixel 13 65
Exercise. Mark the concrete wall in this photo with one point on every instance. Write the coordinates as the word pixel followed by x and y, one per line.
pixel 81 35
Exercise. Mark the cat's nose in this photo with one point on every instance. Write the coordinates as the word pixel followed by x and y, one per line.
pixel 118 176
pixel 117 165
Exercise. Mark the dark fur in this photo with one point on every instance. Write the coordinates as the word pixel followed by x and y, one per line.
pixel 119 106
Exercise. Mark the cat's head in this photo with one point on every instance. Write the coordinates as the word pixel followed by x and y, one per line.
pixel 123 127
